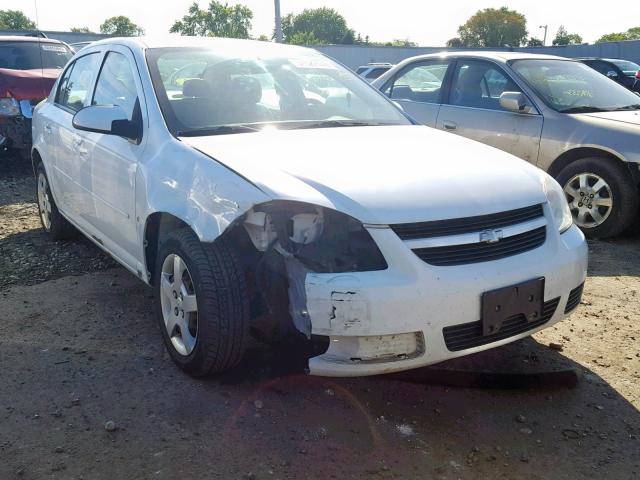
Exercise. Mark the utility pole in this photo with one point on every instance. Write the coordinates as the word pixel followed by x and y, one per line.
pixel 279 37
pixel 544 42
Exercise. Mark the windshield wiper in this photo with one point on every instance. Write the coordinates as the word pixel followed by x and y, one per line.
pixel 336 123
pixel 219 130
pixel 635 106
pixel 584 109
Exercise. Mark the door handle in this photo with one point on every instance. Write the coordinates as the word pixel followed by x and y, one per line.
pixel 450 125
pixel 76 142
pixel 48 129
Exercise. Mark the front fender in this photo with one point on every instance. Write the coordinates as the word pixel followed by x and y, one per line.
pixel 196 189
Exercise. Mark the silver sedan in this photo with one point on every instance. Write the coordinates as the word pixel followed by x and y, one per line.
pixel 564 117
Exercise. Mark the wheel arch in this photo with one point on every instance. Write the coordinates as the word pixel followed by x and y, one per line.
pixel 570 156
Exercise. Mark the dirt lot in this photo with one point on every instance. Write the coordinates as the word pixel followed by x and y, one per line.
pixel 79 348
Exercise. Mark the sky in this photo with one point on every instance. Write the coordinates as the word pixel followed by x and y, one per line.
pixel 428 23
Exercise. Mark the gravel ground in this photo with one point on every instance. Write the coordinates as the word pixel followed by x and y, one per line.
pixel 89 392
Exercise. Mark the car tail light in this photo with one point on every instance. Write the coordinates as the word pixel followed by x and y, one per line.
pixel 638 74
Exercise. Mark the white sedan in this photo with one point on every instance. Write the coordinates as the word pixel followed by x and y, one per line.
pixel 257 201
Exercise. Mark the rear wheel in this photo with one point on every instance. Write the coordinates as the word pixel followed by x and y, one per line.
pixel 202 306
pixel 601 194
pixel 52 220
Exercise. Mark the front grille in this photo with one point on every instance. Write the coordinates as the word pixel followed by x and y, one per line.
pixel 457 226
pixel 574 298
pixel 469 335
pixel 482 252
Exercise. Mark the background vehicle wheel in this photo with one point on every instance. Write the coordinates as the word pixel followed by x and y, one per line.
pixel 202 303
pixel 601 194
pixel 52 220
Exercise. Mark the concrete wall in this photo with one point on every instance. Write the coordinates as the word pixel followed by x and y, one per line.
pixel 355 55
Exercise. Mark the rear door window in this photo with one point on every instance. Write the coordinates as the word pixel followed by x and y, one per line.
pixel 421 82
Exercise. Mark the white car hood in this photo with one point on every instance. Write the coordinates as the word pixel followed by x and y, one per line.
pixel 379 175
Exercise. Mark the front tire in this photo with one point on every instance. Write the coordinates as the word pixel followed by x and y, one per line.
pixel 50 217
pixel 202 304
pixel 602 196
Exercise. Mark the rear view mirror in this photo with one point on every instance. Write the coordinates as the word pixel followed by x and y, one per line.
pixel 107 119
pixel 516 102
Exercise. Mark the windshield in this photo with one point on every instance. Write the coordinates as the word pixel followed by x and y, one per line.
pixel 628 68
pixel 33 55
pixel 200 89
pixel 573 87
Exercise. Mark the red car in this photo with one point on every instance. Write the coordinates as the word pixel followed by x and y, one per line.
pixel 29 67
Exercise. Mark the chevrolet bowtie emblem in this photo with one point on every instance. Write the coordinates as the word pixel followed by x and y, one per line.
pixel 491 236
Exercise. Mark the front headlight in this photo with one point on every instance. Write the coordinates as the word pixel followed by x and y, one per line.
pixel 9 107
pixel 557 203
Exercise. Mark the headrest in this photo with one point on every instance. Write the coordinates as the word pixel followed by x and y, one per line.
pixel 196 87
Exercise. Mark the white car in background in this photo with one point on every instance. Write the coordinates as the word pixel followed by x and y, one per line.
pixel 253 204
pixel 371 71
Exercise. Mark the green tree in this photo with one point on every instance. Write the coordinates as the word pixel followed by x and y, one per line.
pixel 455 43
pixel 15 20
pixel 631 34
pixel 534 42
pixel 264 38
pixel 565 38
pixel 325 25
pixel 121 26
pixel 493 27
pixel 219 20
pixel 81 30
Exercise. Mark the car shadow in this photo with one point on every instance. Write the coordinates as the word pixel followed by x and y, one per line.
pixel 613 257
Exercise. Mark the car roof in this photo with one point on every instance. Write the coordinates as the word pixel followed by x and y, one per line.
pixel 27 38
pixel 490 55
pixel 177 41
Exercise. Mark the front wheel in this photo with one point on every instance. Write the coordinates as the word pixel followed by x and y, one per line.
pixel 202 303
pixel 601 194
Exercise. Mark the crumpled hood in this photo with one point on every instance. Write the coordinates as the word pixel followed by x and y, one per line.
pixel 27 84
pixel 630 117
pixel 380 175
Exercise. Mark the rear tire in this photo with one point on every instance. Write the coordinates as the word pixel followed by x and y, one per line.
pixel 210 279
pixel 50 217
pixel 601 194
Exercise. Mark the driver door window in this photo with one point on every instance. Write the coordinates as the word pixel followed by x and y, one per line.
pixel 478 84
pixel 116 84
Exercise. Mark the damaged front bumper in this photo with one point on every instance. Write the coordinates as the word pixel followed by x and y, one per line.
pixel 15 131
pixel 387 321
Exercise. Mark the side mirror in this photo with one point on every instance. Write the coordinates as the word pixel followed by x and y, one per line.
pixel 612 74
pixel 107 119
pixel 516 102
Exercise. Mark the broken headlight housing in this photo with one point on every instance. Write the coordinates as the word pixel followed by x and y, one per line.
pixel 323 240
pixel 9 107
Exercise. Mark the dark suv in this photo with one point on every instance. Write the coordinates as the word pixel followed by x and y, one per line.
pixel 29 67
pixel 624 72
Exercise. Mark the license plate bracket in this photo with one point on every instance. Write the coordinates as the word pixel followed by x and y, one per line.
pixel 526 298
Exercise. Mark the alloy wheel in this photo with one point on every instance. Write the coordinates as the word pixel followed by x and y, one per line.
pixel 179 304
pixel 590 199
pixel 44 202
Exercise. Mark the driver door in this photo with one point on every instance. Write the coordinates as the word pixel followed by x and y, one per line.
pixel 473 110
pixel 109 175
